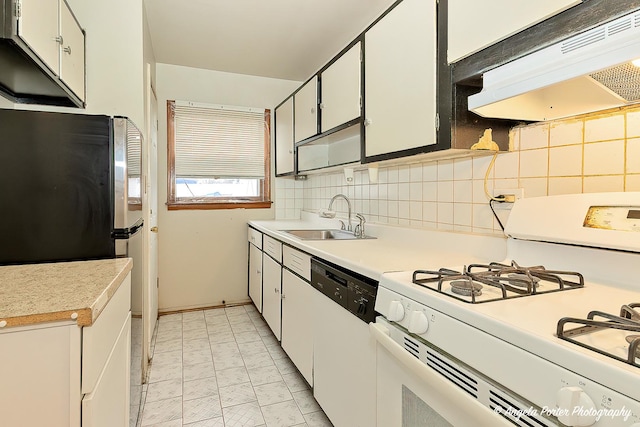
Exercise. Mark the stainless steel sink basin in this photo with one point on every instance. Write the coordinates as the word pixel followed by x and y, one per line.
pixel 325 235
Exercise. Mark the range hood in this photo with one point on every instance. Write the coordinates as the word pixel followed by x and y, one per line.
pixel 588 72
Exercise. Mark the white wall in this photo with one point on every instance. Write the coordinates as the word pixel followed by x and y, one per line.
pixel 203 253
pixel 114 56
pixel 148 55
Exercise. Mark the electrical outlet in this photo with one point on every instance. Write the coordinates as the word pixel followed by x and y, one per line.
pixel 517 193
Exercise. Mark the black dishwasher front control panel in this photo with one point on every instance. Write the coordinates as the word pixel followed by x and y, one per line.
pixel 353 291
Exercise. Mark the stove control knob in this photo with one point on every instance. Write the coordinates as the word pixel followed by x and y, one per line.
pixel 575 407
pixel 396 311
pixel 418 323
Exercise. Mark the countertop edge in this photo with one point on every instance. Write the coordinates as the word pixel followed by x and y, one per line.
pixel 83 316
pixel 101 302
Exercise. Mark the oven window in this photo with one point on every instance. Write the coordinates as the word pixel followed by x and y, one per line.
pixel 416 413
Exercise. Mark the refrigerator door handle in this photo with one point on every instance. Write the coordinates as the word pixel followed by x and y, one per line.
pixel 125 233
pixel 136 227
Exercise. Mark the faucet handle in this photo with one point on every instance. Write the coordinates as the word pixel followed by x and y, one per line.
pixel 359 231
pixel 342 226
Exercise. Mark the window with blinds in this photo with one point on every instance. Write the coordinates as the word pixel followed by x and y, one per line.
pixel 218 155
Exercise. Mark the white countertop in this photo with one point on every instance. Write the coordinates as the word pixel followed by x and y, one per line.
pixel 394 249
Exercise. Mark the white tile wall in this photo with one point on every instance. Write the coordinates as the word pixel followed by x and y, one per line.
pixel 600 152
pixel 289 198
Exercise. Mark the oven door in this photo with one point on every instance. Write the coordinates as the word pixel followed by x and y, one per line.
pixel 411 394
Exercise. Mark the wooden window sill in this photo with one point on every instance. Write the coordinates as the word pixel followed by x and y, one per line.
pixel 206 205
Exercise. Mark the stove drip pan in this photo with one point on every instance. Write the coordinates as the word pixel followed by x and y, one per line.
pixel 466 288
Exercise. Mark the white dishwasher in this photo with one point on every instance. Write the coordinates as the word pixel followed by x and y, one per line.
pixel 344 353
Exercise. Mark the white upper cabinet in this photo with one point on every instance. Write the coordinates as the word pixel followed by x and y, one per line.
pixel 400 77
pixel 38 27
pixel 306 110
pixel 284 137
pixel 52 33
pixel 72 54
pixel 341 90
pixel 476 24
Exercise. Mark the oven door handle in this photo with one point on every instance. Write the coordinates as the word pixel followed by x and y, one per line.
pixel 466 407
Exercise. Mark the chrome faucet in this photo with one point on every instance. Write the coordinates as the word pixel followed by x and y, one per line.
pixel 348 206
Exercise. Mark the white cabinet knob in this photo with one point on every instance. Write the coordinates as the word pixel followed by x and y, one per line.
pixel 396 311
pixel 367 122
pixel 418 323
pixel 575 407
pixel 3 323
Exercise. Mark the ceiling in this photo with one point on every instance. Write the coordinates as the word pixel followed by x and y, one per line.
pixel 285 39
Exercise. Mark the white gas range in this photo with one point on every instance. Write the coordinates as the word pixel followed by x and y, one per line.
pixel 539 346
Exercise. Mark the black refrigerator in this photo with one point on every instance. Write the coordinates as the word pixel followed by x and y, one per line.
pixel 70 187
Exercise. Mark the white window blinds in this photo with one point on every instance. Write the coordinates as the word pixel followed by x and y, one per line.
pixel 217 141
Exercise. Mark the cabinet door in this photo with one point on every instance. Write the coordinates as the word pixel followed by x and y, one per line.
pixel 108 404
pixel 400 97
pixel 284 137
pixel 72 51
pixel 474 24
pixel 341 90
pixel 40 375
pixel 38 26
pixel 297 321
pixel 255 276
pixel 306 110
pixel 272 286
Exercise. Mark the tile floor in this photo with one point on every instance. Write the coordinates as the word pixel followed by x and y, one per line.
pixel 224 368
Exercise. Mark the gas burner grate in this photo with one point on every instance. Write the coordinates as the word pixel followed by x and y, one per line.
pixel 508 281
pixel 627 321
pixel 529 277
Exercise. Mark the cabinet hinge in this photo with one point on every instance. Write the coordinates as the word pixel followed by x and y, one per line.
pixel 437 123
pixel 18 10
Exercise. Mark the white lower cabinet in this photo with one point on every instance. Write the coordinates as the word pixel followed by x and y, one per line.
pixel 40 371
pixel 255 276
pixel 108 403
pixel 61 375
pixel 297 323
pixel 344 365
pixel 271 291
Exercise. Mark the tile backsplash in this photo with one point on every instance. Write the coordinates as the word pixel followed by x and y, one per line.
pixel 594 153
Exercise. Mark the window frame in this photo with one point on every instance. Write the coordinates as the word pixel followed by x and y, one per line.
pixel 259 202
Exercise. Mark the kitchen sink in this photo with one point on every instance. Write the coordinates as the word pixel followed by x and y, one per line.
pixel 325 235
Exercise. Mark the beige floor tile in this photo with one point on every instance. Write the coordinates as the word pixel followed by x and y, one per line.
pixel 224 368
